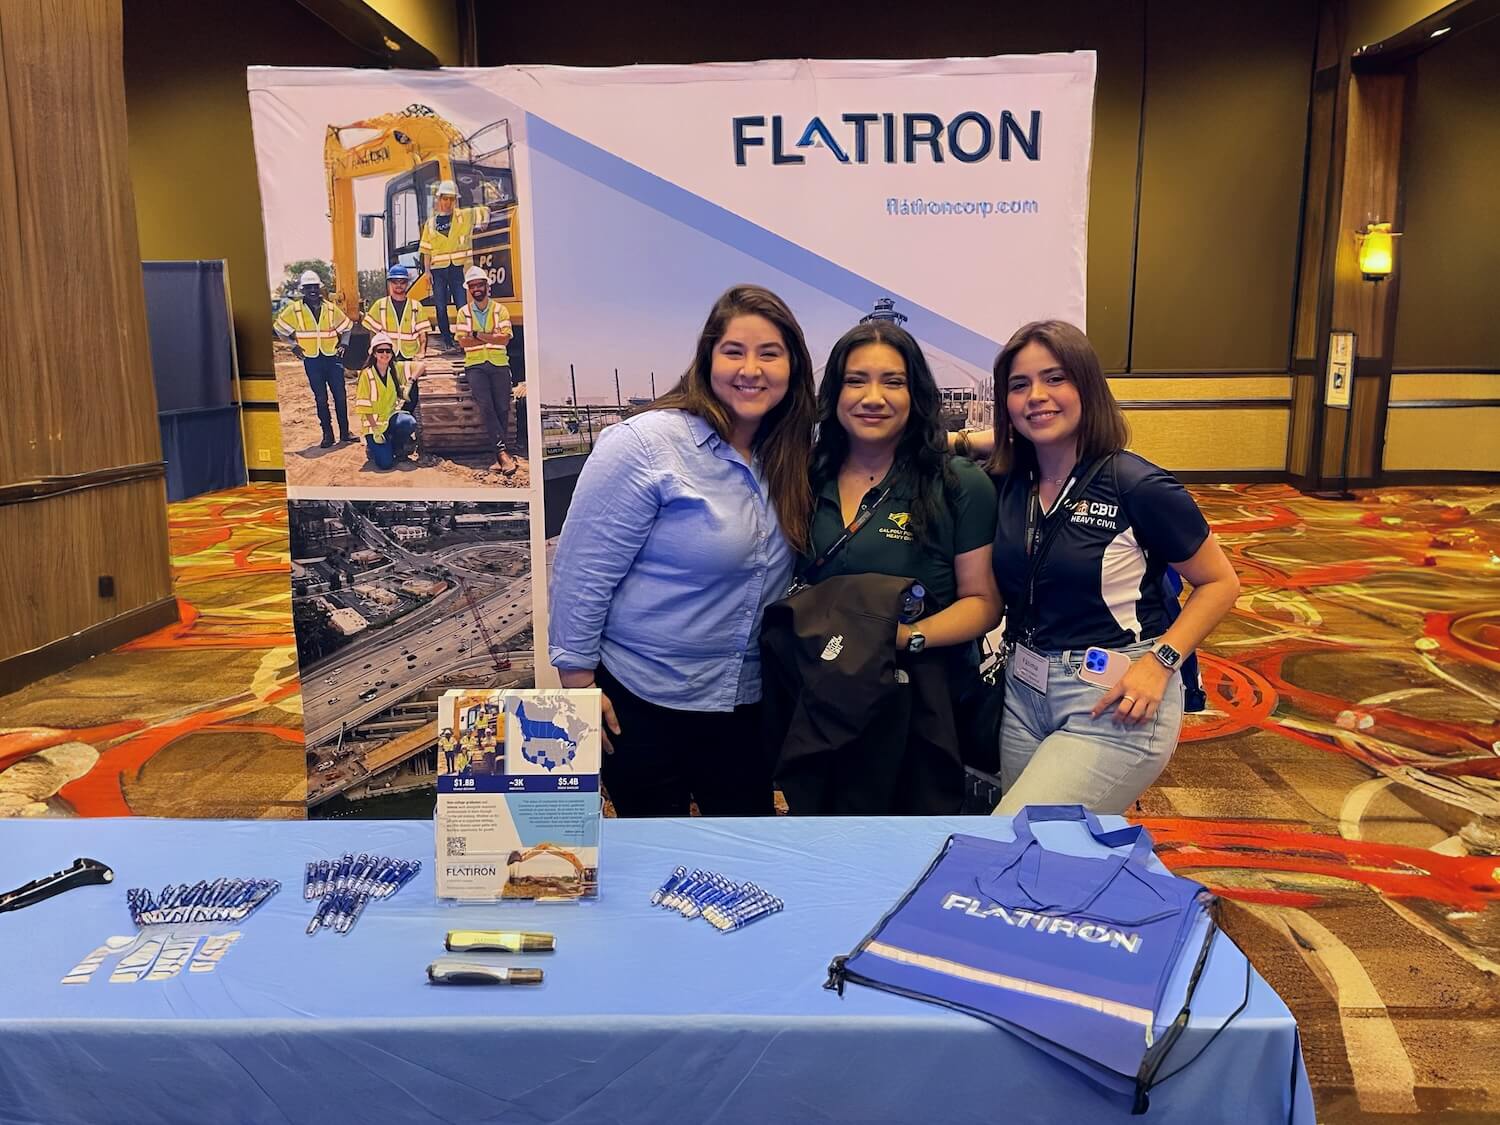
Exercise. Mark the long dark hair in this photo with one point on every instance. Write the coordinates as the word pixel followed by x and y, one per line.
pixel 1102 427
pixel 782 439
pixel 922 452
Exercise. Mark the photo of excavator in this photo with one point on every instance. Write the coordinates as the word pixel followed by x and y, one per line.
pixel 415 150
pixel 407 154
pixel 583 881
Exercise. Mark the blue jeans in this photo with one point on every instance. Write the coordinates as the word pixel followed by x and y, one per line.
pixel 398 435
pixel 325 375
pixel 447 289
pixel 1052 752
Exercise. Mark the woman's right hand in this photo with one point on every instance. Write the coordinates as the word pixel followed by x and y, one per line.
pixel 611 724
pixel 580 678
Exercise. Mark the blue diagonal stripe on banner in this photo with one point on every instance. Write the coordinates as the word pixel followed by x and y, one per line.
pixel 750 238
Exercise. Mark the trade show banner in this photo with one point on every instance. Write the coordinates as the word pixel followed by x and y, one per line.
pixel 574 227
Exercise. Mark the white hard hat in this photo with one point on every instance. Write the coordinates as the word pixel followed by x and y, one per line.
pixel 381 338
pixel 474 273
pixel 447 187
pixel 309 278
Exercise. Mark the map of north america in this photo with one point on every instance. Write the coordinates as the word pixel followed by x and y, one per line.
pixel 551 730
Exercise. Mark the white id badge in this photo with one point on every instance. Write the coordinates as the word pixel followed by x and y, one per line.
pixel 1031 669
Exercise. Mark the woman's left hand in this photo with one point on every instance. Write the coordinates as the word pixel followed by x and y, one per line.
pixel 1138 694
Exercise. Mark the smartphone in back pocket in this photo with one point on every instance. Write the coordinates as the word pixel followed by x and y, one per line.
pixel 1103 668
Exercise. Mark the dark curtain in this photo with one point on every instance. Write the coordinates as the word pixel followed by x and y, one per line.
pixel 192 358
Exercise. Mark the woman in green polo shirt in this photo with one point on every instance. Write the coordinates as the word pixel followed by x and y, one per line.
pixel 882 454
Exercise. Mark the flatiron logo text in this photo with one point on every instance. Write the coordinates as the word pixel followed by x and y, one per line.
pixel 893 138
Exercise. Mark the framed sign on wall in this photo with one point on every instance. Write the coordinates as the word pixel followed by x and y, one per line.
pixel 1339 387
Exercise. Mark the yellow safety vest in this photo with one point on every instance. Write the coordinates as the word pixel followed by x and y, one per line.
pixel 315 335
pixel 376 399
pixel 456 247
pixel 406 329
pixel 472 319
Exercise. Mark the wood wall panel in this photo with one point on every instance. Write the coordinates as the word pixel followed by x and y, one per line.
pixel 67 232
pixel 1448 258
pixel 1306 398
pixel 1237 440
pixel 262 430
pixel 1320 155
pixel 79 399
pixel 1409 387
pixel 1221 184
pixel 258 390
pixel 1372 164
pixel 1443 438
pixel 71 540
pixel 1201 388
pixel 1364 440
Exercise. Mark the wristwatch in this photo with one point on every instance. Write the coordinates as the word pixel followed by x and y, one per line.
pixel 1168 655
pixel 915 641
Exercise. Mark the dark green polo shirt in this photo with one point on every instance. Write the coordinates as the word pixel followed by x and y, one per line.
pixel 886 545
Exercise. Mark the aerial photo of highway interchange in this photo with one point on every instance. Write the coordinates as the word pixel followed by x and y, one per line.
pixel 396 602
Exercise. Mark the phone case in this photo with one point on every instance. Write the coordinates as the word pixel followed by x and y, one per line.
pixel 1103 668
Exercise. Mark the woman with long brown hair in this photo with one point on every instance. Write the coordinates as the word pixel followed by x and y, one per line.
pixel 681 530
pixel 1086 531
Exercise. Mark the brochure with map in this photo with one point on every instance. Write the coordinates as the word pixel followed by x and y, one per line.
pixel 518 805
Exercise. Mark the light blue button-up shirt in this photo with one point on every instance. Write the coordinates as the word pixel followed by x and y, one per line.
pixel 669 556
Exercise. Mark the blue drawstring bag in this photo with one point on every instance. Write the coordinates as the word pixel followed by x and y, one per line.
pixel 1071 953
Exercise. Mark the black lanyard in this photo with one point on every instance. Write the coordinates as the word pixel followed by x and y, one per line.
pixel 861 518
pixel 1036 520
pixel 1041 531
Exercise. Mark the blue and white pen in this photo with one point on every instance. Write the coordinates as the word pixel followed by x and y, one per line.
pixel 670 885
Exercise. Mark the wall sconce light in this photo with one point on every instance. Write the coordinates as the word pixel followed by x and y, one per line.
pixel 1376 245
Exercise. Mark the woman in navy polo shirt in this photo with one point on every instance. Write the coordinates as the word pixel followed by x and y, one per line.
pixel 680 532
pixel 1085 534
pixel 881 457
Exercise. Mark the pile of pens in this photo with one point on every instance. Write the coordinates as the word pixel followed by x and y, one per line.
pixel 346 885
pixel 718 900
pixel 223 900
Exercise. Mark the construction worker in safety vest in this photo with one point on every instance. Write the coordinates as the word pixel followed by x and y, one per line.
pixel 404 321
pixel 484 331
pixel 319 332
pixel 380 401
pixel 447 247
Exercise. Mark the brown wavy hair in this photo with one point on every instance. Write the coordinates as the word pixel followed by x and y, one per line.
pixel 1102 427
pixel 784 439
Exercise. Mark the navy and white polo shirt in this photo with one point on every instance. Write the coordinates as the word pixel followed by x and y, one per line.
pixel 1101 580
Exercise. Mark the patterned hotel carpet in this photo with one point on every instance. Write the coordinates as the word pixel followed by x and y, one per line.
pixel 202 718
pixel 1354 731
pixel 1355 713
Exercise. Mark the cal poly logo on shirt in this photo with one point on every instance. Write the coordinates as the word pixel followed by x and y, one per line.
pixel 1095 513
pixel 898 531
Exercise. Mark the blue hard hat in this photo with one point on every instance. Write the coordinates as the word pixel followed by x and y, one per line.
pixel 398 272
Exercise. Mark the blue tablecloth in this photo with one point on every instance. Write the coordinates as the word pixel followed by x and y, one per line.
pixel 644 1016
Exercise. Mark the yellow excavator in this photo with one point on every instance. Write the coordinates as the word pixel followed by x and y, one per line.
pixel 517 858
pixel 415 149
pixel 584 881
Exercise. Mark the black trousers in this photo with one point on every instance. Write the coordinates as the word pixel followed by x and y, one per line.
pixel 447 289
pixel 665 759
pixel 490 386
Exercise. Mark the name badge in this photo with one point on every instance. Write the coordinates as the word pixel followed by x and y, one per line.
pixel 1031 669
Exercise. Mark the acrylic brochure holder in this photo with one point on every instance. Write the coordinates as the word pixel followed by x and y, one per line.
pixel 518 798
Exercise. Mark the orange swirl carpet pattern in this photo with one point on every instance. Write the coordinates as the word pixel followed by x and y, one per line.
pixel 200 719
pixel 1342 791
